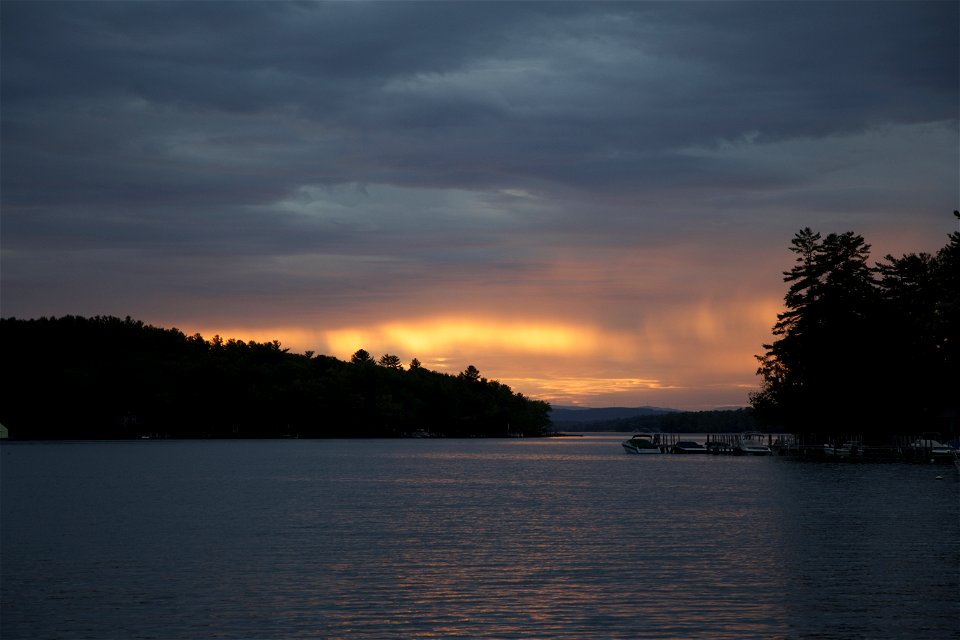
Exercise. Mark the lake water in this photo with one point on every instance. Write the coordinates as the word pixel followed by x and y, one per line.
pixel 535 538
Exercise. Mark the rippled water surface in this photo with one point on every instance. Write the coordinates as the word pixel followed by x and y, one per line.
pixel 537 538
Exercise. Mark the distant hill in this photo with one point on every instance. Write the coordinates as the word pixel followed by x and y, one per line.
pixel 580 415
pixel 652 419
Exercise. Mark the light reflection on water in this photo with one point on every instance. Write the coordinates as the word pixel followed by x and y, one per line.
pixel 555 538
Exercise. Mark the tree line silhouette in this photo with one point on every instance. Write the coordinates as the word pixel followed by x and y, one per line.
pixel 106 377
pixel 864 349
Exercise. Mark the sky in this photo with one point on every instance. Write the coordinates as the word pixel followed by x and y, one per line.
pixel 590 202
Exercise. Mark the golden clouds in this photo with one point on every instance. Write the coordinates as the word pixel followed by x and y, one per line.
pixel 716 335
pixel 580 389
pixel 446 334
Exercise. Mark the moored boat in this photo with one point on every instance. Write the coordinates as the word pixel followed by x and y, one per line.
pixel 688 446
pixel 642 443
pixel 849 449
pixel 751 444
pixel 927 445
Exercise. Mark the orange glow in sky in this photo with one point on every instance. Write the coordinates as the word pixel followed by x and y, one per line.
pixel 441 335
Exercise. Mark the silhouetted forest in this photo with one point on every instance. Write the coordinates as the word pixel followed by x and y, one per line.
pixel 104 377
pixel 860 348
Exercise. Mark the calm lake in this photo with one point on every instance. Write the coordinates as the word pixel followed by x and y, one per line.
pixel 535 538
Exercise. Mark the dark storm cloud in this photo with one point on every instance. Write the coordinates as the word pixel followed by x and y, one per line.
pixel 212 129
pixel 630 74
pixel 232 55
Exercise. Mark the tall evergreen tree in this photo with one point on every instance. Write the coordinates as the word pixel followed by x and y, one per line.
pixel 908 299
pixel 946 329
pixel 822 356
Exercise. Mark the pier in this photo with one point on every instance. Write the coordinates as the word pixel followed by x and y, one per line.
pixel 906 448
pixel 719 443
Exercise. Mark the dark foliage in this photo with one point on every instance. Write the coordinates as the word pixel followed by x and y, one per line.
pixel 104 377
pixel 859 348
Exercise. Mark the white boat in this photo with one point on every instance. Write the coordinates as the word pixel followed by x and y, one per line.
pixel 751 444
pixel 642 443
pixel 937 451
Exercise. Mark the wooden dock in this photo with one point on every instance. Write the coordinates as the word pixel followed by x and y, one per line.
pixel 848 447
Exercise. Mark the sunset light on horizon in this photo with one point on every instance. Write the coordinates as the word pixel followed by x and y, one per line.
pixel 565 363
pixel 591 202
